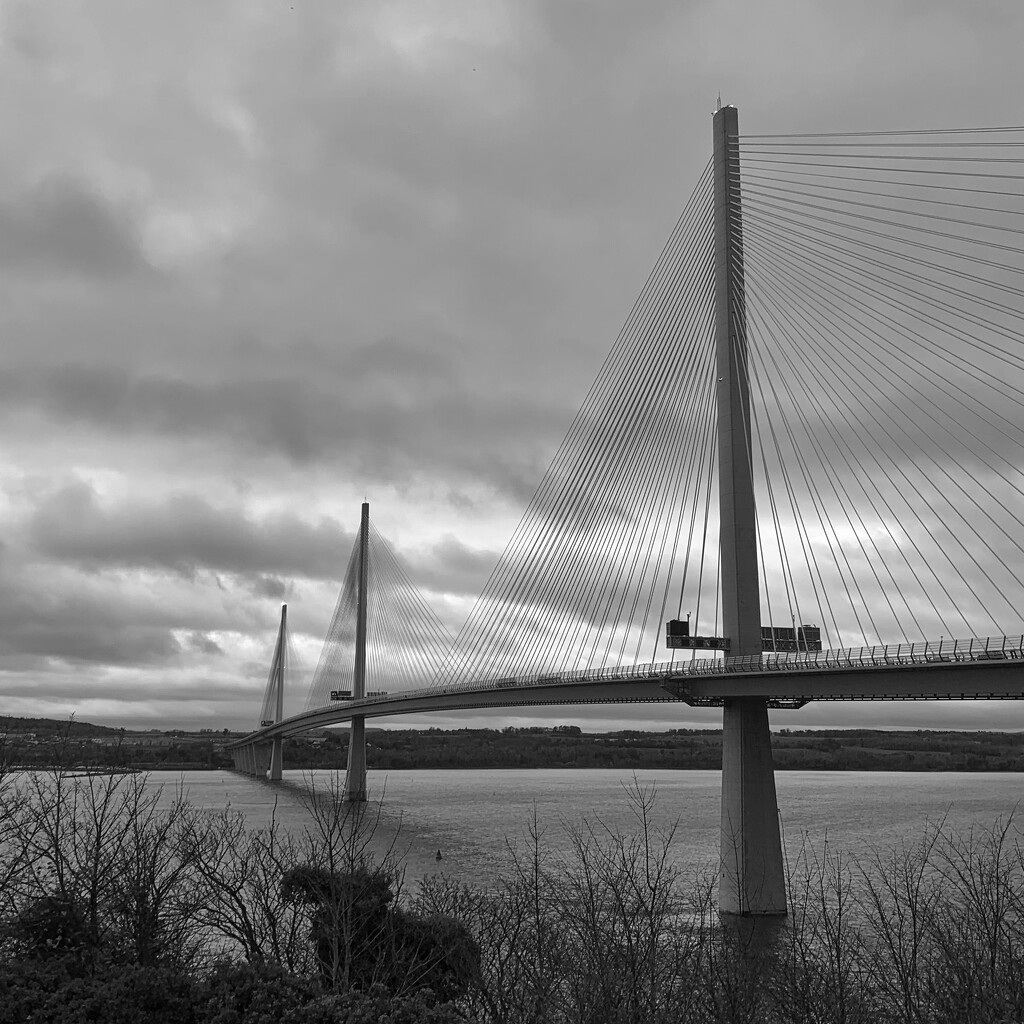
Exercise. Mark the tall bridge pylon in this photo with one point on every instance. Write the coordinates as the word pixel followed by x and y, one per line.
pixel 383 641
pixel 275 695
pixel 355 775
pixel 259 758
pixel 751 873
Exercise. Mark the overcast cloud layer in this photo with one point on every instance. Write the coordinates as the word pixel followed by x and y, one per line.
pixel 260 260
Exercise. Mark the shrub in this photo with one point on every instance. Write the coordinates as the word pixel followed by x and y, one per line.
pixel 243 994
pixel 49 993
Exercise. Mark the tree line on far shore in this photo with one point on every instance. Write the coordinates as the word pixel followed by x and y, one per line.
pixel 570 747
pixel 559 746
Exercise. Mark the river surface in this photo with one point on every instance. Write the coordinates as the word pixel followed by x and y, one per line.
pixel 472 817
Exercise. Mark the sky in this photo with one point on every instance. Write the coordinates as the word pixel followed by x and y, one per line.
pixel 261 261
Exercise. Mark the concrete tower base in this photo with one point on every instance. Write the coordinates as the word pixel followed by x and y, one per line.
pixel 355 776
pixel 276 759
pixel 752 880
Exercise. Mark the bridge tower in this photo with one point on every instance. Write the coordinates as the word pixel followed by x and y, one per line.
pixel 277 675
pixel 355 776
pixel 751 880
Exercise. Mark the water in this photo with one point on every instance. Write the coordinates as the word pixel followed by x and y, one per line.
pixel 472 817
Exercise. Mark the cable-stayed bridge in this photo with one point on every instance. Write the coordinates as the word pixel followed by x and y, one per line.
pixel 797 476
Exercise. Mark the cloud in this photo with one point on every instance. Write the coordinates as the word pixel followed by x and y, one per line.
pixel 203 643
pixel 452 566
pixel 59 225
pixel 43 627
pixel 184 534
pixel 387 416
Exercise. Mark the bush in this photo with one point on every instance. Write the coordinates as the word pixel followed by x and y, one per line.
pixel 376 1007
pixel 49 993
pixel 364 942
pixel 242 994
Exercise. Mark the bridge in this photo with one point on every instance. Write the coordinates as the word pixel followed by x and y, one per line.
pixel 807 436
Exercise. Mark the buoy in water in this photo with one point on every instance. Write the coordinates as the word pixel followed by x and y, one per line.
pixel 438 855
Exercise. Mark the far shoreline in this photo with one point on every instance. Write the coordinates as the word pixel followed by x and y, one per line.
pixel 79 746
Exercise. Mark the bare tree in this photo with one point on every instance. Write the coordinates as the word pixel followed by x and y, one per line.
pixel 240 906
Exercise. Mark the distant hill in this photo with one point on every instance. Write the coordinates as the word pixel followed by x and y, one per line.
pixel 54 727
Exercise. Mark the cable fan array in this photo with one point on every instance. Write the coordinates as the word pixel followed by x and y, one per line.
pixel 405 641
pixel 880 289
pixel 884 282
pixel 280 665
pixel 619 526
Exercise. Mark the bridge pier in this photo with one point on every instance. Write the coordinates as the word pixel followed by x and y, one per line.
pixel 752 879
pixel 242 761
pixel 253 758
pixel 355 775
pixel 276 758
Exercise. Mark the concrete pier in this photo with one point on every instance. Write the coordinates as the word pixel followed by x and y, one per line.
pixel 276 759
pixel 752 880
pixel 355 776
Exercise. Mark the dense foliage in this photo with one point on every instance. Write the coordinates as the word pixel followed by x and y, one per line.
pixel 570 747
pixel 118 904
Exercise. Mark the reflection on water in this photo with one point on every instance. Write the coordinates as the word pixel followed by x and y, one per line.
pixel 475 817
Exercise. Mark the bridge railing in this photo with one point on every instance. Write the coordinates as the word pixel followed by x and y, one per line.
pixel 918 653
pixel 921 653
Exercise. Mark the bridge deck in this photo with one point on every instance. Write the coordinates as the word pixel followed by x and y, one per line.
pixel 987 669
